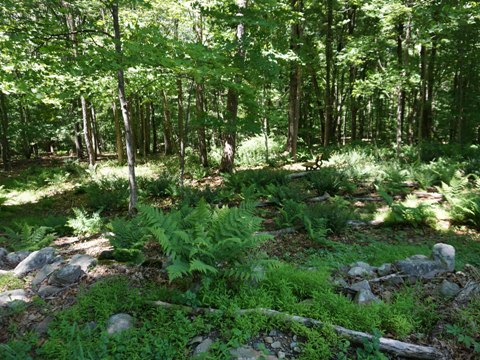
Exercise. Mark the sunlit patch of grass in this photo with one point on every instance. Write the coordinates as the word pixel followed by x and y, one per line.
pixel 9 282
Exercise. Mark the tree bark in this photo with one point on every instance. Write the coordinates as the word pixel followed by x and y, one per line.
pixel 87 131
pixel 328 76
pixel 199 110
pixel 167 126
pixel 4 133
pixel 181 132
pixel 230 131
pixel 125 115
pixel 118 133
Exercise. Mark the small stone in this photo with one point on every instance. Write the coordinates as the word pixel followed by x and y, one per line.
pixel 13 295
pixel 281 355
pixel 364 297
pixel 394 281
pixel 361 285
pixel 297 349
pixel 47 291
pixel 449 289
pixel 445 254
pixel 35 261
pixel 295 337
pixel 360 264
pixel 293 344
pixel 82 260
pixel 359 271
pixel 3 252
pixel 203 347
pixel 118 323
pixel 196 340
pixel 268 340
pixel 384 269
pixel 276 345
pixel 340 282
pixel 273 333
pixel 66 275
pixel 42 327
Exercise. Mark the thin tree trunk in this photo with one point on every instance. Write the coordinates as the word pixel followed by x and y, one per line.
pixel 4 133
pixel 230 132
pixel 328 77
pixel 118 133
pixel 146 127
pixel 181 133
pixel 202 141
pixel 78 141
pixel 87 132
pixel 167 126
pixel 125 115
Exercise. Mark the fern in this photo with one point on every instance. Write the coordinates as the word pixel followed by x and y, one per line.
pixel 85 225
pixel 29 237
pixel 205 241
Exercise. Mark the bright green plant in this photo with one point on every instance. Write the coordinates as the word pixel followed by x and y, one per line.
pixel 328 180
pixel 278 194
pixel 128 238
pixel 463 197
pixel 27 237
pixel 371 348
pixel 83 224
pixel 207 240
pixel 336 213
pixel 108 193
pixel 411 211
pixel 258 178
pixel 291 213
pixel 158 187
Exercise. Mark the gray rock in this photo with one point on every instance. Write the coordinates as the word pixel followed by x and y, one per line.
pixel 385 269
pixel 445 254
pixel 3 252
pixel 420 268
pixel 65 276
pixel 297 349
pixel 449 289
pixel 196 340
pixel 42 327
pixel 13 295
pixel 364 297
pixel 203 347
pixel 84 261
pixel 45 272
pixel 35 261
pixel 361 264
pixel 359 271
pixel 276 345
pixel 47 291
pixel 119 322
pixel 249 353
pixel 14 258
pixel 268 340
pixel 470 291
pixel 3 256
pixel 418 257
pixel 361 285
pixel 394 281
pixel 340 282
pixel 281 355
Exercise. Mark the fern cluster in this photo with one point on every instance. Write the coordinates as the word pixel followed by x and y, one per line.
pixel 28 237
pixel 463 196
pixel 206 240
pixel 83 224
pixel 410 211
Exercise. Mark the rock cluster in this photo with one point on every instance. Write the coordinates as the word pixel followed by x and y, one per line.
pixel 358 277
pixel 47 271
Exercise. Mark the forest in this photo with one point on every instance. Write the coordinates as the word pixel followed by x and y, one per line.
pixel 239 179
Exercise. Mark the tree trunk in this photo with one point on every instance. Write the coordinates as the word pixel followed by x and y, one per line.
pixel 181 133
pixel 125 115
pixel 202 141
pixel 4 133
pixel 78 141
pixel 328 77
pixel 167 125
pixel 230 131
pixel 118 134
pixel 87 131
pixel 146 128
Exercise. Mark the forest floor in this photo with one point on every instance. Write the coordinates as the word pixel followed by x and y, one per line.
pixel 310 277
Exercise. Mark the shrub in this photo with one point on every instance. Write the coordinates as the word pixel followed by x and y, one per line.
pixel 335 212
pixel 258 178
pixel 128 237
pixel 207 240
pixel 328 180
pixel 411 211
pixel 278 194
pixel 156 188
pixel 107 194
pixel 83 224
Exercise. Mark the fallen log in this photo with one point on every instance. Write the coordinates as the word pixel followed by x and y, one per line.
pixel 288 230
pixel 297 175
pixel 324 197
pixel 392 346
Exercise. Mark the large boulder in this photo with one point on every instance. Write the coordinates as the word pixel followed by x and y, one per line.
pixel 420 268
pixel 365 297
pixel 47 291
pixel 36 260
pixel 45 272
pixel 65 276
pixel 14 258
